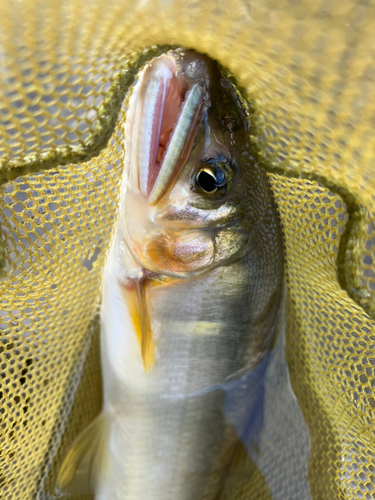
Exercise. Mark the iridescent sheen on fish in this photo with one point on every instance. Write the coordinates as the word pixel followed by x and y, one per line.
pixel 191 292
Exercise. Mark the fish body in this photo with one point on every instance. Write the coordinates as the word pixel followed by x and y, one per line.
pixel 191 290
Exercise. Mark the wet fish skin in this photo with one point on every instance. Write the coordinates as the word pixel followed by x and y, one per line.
pixel 210 268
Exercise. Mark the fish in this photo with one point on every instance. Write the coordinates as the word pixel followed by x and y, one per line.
pixel 192 288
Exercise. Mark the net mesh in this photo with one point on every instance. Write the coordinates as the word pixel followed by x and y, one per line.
pixel 308 70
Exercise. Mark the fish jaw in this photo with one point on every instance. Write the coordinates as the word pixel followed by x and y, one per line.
pixel 180 144
pixel 164 114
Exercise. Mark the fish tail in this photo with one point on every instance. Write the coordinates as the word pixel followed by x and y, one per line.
pixel 86 463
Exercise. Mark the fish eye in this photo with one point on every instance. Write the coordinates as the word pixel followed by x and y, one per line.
pixel 209 181
pixel 213 176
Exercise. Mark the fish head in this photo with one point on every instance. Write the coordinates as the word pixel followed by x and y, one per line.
pixel 187 203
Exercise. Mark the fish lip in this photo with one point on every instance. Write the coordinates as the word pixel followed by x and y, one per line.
pixel 157 123
pixel 180 143
pixel 138 151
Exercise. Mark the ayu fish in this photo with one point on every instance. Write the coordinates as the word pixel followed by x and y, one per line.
pixel 191 292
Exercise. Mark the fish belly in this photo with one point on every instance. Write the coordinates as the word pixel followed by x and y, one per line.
pixel 169 437
pixel 166 451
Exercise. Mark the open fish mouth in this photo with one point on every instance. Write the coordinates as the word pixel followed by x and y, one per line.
pixel 164 115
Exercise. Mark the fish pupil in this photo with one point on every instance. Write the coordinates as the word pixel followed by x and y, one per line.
pixel 208 181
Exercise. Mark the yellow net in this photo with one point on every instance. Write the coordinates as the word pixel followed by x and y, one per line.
pixel 308 71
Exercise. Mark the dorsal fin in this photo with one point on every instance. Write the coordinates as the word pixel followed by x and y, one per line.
pixel 86 463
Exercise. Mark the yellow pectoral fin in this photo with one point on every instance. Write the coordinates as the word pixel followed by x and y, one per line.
pixel 86 463
pixel 139 311
pixel 147 342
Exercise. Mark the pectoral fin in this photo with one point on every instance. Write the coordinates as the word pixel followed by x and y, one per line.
pixel 136 298
pixel 147 341
pixel 86 463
